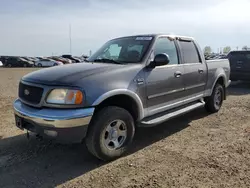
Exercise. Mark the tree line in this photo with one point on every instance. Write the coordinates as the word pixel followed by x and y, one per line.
pixel 208 49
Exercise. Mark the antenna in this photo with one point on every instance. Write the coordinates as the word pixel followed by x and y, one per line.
pixel 70 39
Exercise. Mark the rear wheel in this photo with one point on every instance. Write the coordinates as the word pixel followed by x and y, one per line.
pixel 39 65
pixel 214 102
pixel 25 65
pixel 110 133
pixel 9 65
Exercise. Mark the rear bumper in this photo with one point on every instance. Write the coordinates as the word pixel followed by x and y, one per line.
pixel 63 125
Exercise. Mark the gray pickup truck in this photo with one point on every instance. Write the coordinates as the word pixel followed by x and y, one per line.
pixel 129 82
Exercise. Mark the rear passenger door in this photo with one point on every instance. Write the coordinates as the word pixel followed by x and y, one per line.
pixel 46 63
pixel 195 71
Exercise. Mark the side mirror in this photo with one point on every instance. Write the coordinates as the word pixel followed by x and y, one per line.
pixel 160 60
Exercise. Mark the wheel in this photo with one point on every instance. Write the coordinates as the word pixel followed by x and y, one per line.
pixel 24 65
pixel 55 64
pixel 9 65
pixel 110 133
pixel 39 65
pixel 214 102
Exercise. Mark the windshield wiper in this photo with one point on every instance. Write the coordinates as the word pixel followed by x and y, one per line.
pixel 105 60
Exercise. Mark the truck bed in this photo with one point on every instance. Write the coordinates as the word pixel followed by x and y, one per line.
pixel 215 68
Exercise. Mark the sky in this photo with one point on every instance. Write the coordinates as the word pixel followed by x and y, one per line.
pixel 42 27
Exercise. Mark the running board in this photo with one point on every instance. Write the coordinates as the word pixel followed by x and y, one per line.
pixel 160 118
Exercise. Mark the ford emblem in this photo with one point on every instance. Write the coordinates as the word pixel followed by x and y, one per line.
pixel 26 92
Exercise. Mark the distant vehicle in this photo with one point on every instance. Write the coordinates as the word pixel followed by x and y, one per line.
pixel 1 64
pixel 223 57
pixel 63 60
pixel 33 59
pixel 4 59
pixel 18 62
pixel 76 60
pixel 240 65
pixel 47 63
pixel 28 59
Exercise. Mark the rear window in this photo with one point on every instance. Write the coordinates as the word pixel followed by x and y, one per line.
pixel 237 55
pixel 189 52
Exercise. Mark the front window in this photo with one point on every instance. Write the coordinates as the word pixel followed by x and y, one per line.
pixel 22 59
pixel 123 50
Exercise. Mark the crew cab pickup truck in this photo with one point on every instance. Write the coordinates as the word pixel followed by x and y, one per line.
pixel 131 81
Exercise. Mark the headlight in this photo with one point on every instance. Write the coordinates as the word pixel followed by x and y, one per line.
pixel 65 96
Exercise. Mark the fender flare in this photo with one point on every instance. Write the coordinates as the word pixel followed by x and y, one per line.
pixel 127 92
pixel 216 80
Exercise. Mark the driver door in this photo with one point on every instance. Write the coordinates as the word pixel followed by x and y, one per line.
pixel 165 85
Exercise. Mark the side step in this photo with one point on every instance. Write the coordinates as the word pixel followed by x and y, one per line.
pixel 162 117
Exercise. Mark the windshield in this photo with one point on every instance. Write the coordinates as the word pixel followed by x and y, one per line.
pixel 23 59
pixel 124 50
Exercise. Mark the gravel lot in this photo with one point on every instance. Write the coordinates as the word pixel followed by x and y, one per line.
pixel 195 150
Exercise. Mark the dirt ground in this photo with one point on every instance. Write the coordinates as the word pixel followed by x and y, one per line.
pixel 195 150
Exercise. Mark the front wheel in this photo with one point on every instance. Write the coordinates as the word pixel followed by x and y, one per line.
pixel 214 102
pixel 110 133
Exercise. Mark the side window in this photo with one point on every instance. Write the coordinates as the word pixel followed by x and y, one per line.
pixel 248 56
pixel 164 45
pixel 237 56
pixel 189 52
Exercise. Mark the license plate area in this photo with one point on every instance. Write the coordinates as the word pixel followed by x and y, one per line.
pixel 19 122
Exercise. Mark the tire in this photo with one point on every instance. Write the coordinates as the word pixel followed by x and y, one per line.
pixel 9 65
pixel 25 65
pixel 212 105
pixel 39 65
pixel 98 137
pixel 55 64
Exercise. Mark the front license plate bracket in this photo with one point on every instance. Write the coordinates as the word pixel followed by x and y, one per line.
pixel 19 122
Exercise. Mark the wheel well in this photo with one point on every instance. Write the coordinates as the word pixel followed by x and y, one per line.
pixel 221 82
pixel 122 101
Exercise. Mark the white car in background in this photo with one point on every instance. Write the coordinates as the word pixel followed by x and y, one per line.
pixel 1 64
pixel 47 63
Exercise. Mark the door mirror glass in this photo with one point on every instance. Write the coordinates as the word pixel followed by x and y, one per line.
pixel 161 59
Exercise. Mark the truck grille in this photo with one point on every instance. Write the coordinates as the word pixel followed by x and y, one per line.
pixel 30 94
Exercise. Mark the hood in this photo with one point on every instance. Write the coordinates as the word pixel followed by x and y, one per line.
pixel 68 74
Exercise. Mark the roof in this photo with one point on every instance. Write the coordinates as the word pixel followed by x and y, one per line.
pixel 160 34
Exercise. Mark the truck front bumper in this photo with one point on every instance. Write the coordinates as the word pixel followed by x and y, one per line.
pixel 63 125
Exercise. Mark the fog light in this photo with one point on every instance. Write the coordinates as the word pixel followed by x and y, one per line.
pixel 50 133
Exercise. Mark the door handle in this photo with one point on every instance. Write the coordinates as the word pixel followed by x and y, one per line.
pixel 177 74
pixel 200 71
